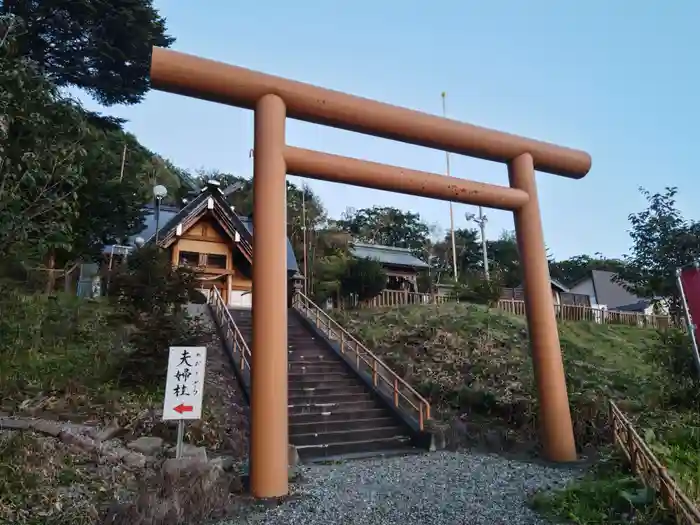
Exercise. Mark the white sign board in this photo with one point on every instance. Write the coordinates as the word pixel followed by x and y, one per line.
pixel 184 385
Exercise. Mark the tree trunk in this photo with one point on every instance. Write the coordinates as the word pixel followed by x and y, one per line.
pixel 50 269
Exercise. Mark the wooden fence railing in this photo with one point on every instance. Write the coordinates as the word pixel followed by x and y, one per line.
pixel 564 312
pixel 568 312
pixel 654 475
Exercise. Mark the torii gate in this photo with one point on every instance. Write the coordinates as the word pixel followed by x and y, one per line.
pixel 275 99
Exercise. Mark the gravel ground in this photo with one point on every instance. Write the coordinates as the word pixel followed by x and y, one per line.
pixel 439 488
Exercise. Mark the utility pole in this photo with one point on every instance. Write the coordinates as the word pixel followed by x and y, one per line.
pixel 121 172
pixel 303 220
pixel 481 221
pixel 452 219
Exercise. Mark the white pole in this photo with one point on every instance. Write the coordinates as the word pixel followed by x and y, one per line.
pixel 482 226
pixel 121 172
pixel 303 219
pixel 452 219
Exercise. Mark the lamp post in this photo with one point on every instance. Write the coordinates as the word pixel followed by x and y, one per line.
pixel 159 192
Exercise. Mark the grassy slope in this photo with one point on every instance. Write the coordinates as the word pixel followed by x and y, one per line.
pixel 474 363
pixel 61 358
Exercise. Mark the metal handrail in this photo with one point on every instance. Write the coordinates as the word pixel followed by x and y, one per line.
pixel 230 330
pixel 399 388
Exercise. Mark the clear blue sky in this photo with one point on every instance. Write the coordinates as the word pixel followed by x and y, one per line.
pixel 618 79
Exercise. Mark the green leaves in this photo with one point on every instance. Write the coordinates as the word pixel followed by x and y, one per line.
pixel 663 240
pixel 42 156
pixel 101 46
pixel 363 278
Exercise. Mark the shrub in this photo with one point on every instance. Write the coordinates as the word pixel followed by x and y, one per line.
pixel 151 294
pixel 674 356
pixel 52 345
pixel 363 278
pixel 476 289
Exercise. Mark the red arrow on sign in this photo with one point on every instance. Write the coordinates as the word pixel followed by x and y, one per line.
pixel 183 408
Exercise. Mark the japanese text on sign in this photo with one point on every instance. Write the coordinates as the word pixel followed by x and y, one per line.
pixel 185 382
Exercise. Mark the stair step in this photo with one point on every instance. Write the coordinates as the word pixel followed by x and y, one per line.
pixel 321 377
pixel 322 426
pixel 317 407
pixel 340 436
pixel 315 392
pixel 330 414
pixel 331 384
pixel 317 367
pixel 307 452
pixel 363 395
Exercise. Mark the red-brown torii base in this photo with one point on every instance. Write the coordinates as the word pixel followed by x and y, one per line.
pixel 274 100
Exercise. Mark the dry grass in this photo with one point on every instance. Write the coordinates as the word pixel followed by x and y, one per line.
pixel 42 481
pixel 194 495
pixel 474 363
pixel 61 360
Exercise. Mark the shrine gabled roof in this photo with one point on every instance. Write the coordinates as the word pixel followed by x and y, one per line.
pixel 388 255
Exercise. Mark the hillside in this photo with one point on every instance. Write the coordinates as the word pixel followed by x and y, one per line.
pixel 473 365
pixel 475 362
pixel 69 419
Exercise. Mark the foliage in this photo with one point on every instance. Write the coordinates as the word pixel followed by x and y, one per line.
pixel 475 289
pixel 103 47
pixel 387 226
pixel 472 360
pixel 608 494
pixel 570 271
pixel 663 241
pixel 150 294
pixel 62 189
pixel 505 259
pixel 41 149
pixel 363 279
pixel 110 204
pixel 47 344
pixel 468 253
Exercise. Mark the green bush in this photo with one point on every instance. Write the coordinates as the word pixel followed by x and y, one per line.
pixel 150 294
pixel 363 279
pixel 477 290
pixel 53 345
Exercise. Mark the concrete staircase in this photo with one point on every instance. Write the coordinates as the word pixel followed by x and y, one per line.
pixel 331 411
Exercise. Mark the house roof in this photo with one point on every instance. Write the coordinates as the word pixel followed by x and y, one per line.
pixel 292 265
pixel 387 255
pixel 149 229
pixel 559 285
pixel 556 284
pixel 610 293
pixel 639 306
pixel 171 216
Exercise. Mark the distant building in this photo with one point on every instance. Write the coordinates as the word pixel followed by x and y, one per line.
pixel 400 265
pixel 209 236
pixel 604 292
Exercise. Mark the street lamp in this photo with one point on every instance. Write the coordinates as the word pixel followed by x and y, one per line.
pixel 159 192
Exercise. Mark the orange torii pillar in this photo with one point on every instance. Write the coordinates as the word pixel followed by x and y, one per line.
pixel 275 99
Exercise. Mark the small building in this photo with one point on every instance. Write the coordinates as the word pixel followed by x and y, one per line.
pixel 605 293
pixel 208 236
pixel 400 265
pixel 561 294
